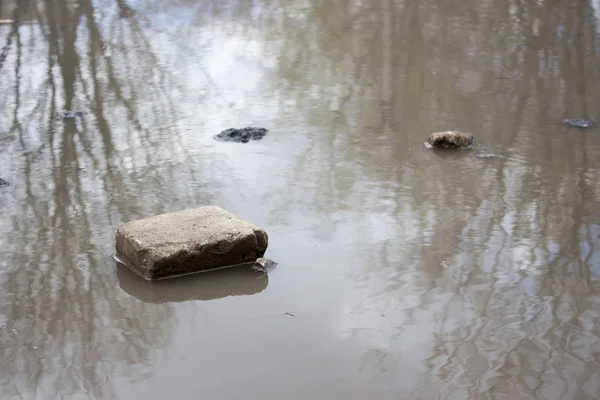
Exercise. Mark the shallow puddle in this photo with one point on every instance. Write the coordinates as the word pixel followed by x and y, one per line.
pixel 403 274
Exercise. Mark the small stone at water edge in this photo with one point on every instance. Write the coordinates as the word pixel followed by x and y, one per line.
pixel 449 140
pixel 264 264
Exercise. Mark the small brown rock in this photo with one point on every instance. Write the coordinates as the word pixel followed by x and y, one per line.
pixel 450 140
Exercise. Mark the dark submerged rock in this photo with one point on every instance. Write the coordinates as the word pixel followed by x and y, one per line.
pixel 243 135
pixel 578 122
pixel 449 140
pixel 4 183
pixel 71 114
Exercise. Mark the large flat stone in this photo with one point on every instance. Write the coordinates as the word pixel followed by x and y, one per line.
pixel 188 241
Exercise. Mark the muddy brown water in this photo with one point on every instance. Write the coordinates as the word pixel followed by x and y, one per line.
pixel 402 274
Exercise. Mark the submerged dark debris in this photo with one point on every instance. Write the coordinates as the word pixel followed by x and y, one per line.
pixel 578 122
pixel 71 114
pixel 243 135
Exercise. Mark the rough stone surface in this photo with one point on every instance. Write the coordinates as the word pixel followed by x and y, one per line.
pixel 4 183
pixel 243 135
pixel 450 140
pixel 188 241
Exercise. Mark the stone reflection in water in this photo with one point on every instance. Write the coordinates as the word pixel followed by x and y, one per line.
pixel 237 281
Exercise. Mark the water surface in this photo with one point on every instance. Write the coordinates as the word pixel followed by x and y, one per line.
pixel 405 274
